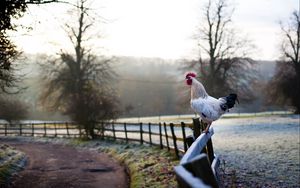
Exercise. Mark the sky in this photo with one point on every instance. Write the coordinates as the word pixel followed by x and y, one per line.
pixel 152 28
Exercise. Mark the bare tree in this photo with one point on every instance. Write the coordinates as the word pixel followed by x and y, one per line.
pixel 284 87
pixel 291 44
pixel 79 83
pixel 224 64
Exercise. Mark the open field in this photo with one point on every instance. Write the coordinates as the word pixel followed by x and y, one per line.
pixel 260 152
pixel 187 118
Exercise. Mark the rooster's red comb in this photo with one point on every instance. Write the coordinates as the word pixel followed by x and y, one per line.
pixel 190 74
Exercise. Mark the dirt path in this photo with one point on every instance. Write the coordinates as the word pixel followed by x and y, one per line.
pixel 52 165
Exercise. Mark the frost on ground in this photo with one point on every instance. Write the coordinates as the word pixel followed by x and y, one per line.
pixel 11 161
pixel 259 152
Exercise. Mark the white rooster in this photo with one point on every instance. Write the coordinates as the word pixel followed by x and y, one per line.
pixel 209 108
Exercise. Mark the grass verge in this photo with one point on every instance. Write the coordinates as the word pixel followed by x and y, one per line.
pixel 148 166
pixel 11 161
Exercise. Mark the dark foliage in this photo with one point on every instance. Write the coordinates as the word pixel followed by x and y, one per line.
pixel 10 9
pixel 284 87
pixel 12 109
pixel 8 54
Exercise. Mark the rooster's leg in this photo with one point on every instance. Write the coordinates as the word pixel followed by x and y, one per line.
pixel 207 128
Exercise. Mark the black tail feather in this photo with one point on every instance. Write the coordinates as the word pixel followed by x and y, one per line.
pixel 230 101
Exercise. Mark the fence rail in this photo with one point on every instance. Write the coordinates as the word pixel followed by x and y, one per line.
pixel 198 167
pixel 171 136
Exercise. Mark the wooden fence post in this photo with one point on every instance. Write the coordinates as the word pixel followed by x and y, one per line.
pixel 184 136
pixel 189 140
pixel 202 126
pixel 196 128
pixel 20 126
pixel 141 132
pixel 125 129
pixel 174 140
pixel 210 151
pixel 55 130
pixel 166 134
pixel 113 129
pixel 67 127
pixel 102 127
pixel 32 129
pixel 80 131
pixel 5 129
pixel 209 146
pixel 45 130
pixel 160 137
pixel 201 168
pixel 150 139
pixel 196 132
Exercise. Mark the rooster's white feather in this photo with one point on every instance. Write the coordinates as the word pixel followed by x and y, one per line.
pixel 208 107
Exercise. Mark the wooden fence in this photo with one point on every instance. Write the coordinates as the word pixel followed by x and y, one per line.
pixel 198 167
pixel 165 135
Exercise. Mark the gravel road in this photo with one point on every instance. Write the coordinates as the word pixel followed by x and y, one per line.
pixel 55 165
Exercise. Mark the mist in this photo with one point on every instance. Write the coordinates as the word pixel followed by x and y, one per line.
pixel 145 87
